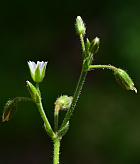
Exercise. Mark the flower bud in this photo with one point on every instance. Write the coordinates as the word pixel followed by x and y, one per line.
pixel 33 92
pixel 37 70
pixel 80 26
pixel 124 79
pixel 94 46
pixel 87 45
pixel 63 102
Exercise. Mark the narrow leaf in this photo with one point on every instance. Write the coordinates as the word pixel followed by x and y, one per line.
pixel 9 110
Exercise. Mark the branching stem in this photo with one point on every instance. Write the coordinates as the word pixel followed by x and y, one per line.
pixel 45 119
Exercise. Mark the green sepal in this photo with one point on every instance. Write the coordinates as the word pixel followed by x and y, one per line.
pixel 37 76
pixel 94 46
pixel 43 73
pixel 87 45
pixel 35 95
pixel 91 49
pixel 32 75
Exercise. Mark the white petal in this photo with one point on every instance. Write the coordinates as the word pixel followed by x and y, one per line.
pixel 42 65
pixel 32 66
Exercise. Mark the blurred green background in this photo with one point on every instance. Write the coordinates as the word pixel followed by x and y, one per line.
pixel 105 128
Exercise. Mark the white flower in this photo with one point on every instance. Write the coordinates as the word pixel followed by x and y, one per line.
pixel 37 70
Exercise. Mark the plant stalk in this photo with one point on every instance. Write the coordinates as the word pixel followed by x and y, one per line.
pixel 45 119
pixel 78 87
pixel 75 97
pixel 56 150
pixel 91 67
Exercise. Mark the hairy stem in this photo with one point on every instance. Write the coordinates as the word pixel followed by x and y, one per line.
pixel 75 97
pixel 91 67
pixel 78 87
pixel 56 150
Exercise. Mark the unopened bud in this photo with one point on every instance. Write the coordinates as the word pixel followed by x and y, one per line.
pixel 124 79
pixel 80 26
pixel 63 102
pixel 87 45
pixel 33 92
pixel 94 46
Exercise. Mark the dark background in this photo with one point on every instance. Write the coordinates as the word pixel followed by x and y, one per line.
pixel 105 128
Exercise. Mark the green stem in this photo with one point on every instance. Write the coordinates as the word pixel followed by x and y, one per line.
pixel 56 150
pixel 37 87
pixel 48 127
pixel 75 97
pixel 91 67
pixel 46 122
pixel 78 88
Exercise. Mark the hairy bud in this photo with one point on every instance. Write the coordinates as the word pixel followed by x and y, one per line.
pixel 80 26
pixel 63 102
pixel 124 79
